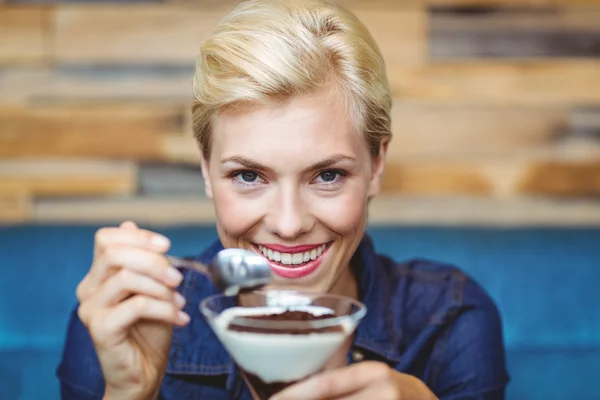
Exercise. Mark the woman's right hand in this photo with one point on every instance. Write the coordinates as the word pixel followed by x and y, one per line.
pixel 129 304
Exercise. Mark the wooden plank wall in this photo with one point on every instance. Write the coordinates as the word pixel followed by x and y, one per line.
pixel 496 109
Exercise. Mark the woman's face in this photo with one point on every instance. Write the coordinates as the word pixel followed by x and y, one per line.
pixel 291 182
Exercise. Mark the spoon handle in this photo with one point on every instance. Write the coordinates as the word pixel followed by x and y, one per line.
pixel 232 270
pixel 189 264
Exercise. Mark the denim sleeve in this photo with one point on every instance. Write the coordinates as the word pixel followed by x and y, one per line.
pixel 79 370
pixel 469 359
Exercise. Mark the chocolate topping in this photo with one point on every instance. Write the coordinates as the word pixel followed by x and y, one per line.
pixel 295 316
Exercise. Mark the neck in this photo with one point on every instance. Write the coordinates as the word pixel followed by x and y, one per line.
pixel 346 284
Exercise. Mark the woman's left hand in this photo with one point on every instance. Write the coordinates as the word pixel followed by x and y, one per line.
pixel 365 380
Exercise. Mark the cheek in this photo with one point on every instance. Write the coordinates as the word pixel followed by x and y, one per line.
pixel 345 215
pixel 235 215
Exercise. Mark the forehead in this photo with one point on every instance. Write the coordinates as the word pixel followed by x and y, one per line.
pixel 308 127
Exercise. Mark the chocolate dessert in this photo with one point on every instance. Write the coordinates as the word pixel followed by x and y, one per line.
pixel 276 346
pixel 263 389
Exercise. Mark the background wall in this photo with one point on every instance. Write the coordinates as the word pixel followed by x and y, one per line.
pixel 494 165
pixel 493 100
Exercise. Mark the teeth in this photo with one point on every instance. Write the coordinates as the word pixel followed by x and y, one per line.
pixel 297 258
pixel 292 258
pixel 320 250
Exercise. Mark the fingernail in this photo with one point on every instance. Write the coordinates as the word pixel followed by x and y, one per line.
pixel 183 317
pixel 174 276
pixel 160 241
pixel 179 300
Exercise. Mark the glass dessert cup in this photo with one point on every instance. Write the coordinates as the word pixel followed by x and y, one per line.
pixel 279 337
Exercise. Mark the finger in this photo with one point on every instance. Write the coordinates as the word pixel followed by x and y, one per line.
pixel 336 383
pixel 379 391
pixel 126 283
pixel 129 234
pixel 122 285
pixel 139 260
pixel 111 327
pixel 136 259
pixel 128 225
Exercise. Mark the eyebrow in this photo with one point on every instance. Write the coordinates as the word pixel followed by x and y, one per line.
pixel 250 164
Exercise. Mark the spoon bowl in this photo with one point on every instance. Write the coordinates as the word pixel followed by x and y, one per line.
pixel 231 270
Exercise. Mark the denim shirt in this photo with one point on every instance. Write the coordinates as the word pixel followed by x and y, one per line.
pixel 423 318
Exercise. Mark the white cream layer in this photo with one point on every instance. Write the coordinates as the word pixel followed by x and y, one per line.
pixel 278 357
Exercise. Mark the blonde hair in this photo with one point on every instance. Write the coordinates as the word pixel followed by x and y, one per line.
pixel 271 50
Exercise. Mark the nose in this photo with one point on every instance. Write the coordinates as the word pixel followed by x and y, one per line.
pixel 289 214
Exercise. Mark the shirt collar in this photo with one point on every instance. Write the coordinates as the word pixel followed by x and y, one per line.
pixel 376 332
pixel 196 350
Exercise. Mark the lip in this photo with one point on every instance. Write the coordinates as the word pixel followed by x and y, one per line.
pixel 293 272
pixel 292 249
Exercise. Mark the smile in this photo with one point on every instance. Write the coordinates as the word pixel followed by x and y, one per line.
pixel 293 262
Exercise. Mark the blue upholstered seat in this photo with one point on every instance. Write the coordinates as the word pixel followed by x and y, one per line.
pixel 546 283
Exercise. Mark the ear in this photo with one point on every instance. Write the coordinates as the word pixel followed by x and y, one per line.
pixel 204 163
pixel 377 168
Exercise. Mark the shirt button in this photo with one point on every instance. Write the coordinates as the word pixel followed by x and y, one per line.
pixel 357 356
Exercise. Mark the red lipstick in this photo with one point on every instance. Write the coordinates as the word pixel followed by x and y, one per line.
pixel 294 271
pixel 292 249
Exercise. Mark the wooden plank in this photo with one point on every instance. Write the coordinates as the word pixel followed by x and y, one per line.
pixel 66 178
pixel 586 122
pixel 527 20
pixel 455 130
pixel 559 178
pixel 401 35
pixel 131 33
pixel 85 84
pixel 435 179
pixel 511 3
pixel 170 179
pixel 384 210
pixel 109 131
pixel 515 34
pixel 228 5
pixel 155 210
pixel 147 34
pixel 181 149
pixel 159 133
pixel 14 208
pixel 528 82
pixel 495 177
pixel 516 83
pixel 487 212
pixel 22 34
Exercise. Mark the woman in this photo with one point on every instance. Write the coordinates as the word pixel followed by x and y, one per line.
pixel 292 115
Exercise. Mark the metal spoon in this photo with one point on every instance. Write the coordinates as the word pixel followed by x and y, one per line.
pixel 231 270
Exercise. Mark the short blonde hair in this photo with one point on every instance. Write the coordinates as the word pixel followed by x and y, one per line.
pixel 271 50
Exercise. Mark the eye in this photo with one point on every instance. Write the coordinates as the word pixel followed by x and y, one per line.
pixel 330 177
pixel 246 177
